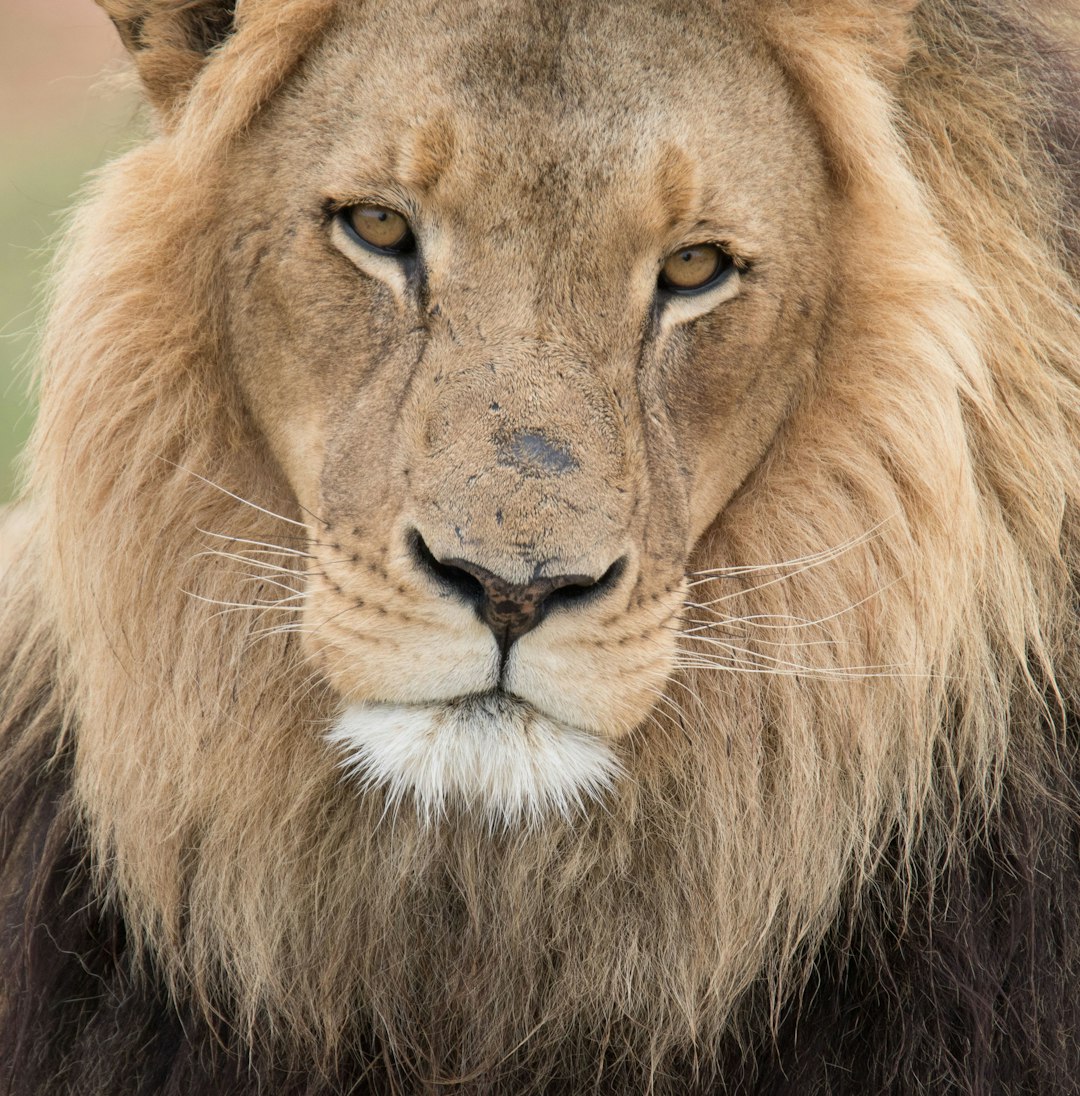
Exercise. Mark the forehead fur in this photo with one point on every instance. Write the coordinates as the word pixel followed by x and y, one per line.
pixel 535 179
pixel 507 93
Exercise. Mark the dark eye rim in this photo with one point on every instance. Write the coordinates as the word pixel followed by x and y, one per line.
pixel 403 250
pixel 730 264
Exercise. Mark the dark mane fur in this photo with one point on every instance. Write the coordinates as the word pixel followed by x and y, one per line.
pixel 968 986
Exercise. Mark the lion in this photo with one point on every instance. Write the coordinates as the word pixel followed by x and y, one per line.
pixel 547 561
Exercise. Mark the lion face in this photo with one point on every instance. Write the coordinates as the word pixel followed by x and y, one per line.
pixel 509 418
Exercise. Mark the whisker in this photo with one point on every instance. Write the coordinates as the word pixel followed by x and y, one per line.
pixel 741 657
pixel 322 521
pixel 266 579
pixel 695 625
pixel 673 705
pixel 802 563
pixel 257 543
pixel 756 619
pixel 238 605
pixel 264 603
pixel 696 633
pixel 268 633
pixel 235 557
pixel 256 553
pixel 800 622
pixel 293 627
pixel 296 595
pixel 737 666
pixel 725 645
pixel 761 585
pixel 239 498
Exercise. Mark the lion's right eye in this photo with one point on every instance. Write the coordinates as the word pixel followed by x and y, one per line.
pixel 380 229
pixel 692 269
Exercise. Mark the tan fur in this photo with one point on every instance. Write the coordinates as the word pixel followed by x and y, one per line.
pixel 859 474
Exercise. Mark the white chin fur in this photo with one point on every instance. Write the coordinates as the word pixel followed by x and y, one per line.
pixel 486 753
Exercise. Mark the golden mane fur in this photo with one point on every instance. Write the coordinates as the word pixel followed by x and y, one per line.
pixel 900 564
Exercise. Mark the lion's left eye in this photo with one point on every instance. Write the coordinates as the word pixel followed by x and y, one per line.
pixel 691 269
pixel 380 229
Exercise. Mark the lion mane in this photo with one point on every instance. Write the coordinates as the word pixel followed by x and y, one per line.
pixel 845 861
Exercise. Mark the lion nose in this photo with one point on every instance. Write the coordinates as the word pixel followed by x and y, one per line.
pixel 510 609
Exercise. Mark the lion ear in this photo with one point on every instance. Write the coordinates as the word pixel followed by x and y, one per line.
pixel 170 40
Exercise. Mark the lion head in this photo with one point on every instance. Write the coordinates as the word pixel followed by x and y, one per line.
pixel 536 500
pixel 540 381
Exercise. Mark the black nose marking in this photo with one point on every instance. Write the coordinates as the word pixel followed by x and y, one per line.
pixel 533 452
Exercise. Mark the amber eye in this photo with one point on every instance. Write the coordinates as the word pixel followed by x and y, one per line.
pixel 380 228
pixel 693 268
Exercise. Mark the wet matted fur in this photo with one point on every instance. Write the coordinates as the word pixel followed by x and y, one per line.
pixel 835 669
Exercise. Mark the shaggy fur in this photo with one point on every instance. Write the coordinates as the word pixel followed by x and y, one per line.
pixel 843 857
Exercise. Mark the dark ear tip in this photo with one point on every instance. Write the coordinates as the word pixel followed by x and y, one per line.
pixel 130 31
pixel 170 40
pixel 210 24
pixel 196 25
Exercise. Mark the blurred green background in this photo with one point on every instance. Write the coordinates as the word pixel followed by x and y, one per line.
pixel 66 106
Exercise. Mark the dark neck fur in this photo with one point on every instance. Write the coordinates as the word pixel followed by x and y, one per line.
pixel 974 992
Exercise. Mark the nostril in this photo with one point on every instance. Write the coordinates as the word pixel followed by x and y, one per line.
pixel 461 582
pixel 578 592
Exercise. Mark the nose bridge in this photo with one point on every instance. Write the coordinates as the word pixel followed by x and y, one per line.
pixel 522 464
pixel 538 413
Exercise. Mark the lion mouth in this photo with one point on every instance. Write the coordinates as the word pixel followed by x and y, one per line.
pixel 490 753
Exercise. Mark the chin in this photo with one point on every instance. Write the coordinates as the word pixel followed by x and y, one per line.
pixel 490 754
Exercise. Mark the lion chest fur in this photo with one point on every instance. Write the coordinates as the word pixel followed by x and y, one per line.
pixel 483 661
